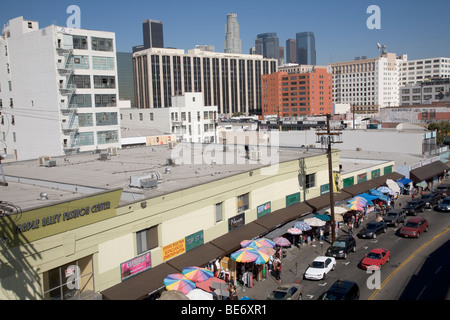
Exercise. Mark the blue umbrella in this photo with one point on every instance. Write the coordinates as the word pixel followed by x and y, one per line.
pixel 302 226
pixel 323 217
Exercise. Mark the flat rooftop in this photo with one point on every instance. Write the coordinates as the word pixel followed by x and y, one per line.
pixel 175 169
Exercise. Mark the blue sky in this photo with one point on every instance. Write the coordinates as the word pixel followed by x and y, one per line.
pixel 417 28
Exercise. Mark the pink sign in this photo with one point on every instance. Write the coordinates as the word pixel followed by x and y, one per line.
pixel 135 266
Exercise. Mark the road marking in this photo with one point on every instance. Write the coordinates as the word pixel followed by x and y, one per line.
pixel 376 292
pixel 438 270
pixel 346 263
pixel 310 296
pixel 322 284
pixel 421 292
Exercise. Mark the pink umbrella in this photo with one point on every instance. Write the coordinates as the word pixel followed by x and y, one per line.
pixel 282 242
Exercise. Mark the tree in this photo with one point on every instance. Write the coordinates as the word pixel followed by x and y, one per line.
pixel 442 128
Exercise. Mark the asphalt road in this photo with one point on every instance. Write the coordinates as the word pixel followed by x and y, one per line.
pixel 418 268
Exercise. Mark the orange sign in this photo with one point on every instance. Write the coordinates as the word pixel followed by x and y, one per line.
pixel 173 250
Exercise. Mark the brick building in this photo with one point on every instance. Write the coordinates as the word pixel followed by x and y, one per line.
pixel 297 94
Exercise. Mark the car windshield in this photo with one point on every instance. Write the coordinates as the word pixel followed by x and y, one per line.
pixel 339 244
pixel 412 224
pixel 411 204
pixel 392 214
pixel 373 255
pixel 318 264
pixel 278 295
pixel 446 201
pixel 331 296
pixel 371 226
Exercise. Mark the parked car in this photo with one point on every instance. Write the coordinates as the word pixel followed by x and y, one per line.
pixel 443 190
pixel 372 229
pixel 319 268
pixel 341 290
pixel 444 205
pixel 431 200
pixel 415 206
pixel 395 217
pixel 291 291
pixel 414 227
pixel 342 246
pixel 376 257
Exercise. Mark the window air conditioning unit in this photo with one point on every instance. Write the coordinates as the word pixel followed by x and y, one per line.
pixel 43 159
pixel 149 183
pixel 50 163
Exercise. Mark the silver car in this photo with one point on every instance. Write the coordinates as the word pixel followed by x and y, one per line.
pixel 444 205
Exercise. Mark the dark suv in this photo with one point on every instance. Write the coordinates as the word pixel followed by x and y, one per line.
pixel 443 190
pixel 341 290
pixel 342 246
pixel 372 229
pixel 395 217
pixel 415 206
pixel 431 200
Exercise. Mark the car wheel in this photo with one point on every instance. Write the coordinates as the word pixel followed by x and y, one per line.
pixel 324 276
pixel 334 267
pixel 374 236
pixel 354 249
pixel 345 255
pixel 384 230
pixel 426 230
pixel 418 235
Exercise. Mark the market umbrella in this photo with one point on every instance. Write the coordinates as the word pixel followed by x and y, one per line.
pixel 422 184
pixel 302 226
pixel 339 210
pixel 197 274
pixel 355 207
pixel 314 222
pixel 209 284
pixel 394 186
pixel 384 189
pixel 258 243
pixel 173 295
pixel 263 257
pixel 245 255
pixel 270 251
pixel 295 231
pixel 282 242
pixel 198 294
pixel 323 217
pixel 360 201
pixel 178 282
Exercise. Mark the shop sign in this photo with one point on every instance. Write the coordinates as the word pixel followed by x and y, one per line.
pixel 349 182
pixel 136 266
pixel 362 177
pixel 325 189
pixel 51 220
pixel 376 173
pixel 194 241
pixel 388 170
pixel 264 209
pixel 292 199
pixel 236 222
pixel 173 250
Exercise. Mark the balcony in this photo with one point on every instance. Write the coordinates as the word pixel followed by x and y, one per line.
pixel 67 89
pixel 68 109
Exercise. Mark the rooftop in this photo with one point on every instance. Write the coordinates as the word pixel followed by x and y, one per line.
pixel 83 174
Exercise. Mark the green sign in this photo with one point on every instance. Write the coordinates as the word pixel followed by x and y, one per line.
pixel 362 177
pixel 324 189
pixel 376 173
pixel 194 241
pixel 388 170
pixel 264 209
pixel 349 182
pixel 292 199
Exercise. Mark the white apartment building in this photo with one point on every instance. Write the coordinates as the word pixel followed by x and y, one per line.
pixel 414 71
pixel 188 119
pixel 58 90
pixel 367 84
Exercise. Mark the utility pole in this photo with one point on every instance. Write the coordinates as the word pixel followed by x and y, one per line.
pixel 327 138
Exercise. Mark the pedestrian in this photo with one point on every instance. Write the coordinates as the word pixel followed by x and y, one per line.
pixel 393 204
pixel 350 228
pixel 271 263
pixel 321 234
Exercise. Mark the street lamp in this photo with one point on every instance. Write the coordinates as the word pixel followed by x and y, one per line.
pixel 327 138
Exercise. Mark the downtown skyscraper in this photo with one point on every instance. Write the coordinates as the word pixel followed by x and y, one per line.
pixel 306 48
pixel 233 43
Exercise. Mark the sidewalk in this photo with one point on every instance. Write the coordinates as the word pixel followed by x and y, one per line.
pixel 298 259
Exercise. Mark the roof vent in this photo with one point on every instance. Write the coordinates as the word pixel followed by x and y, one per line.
pixel 44 196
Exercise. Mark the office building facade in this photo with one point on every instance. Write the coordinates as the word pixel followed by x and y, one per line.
pixel 233 43
pixel 367 84
pixel 306 48
pixel 125 77
pixel 297 94
pixel 415 71
pixel 425 92
pixel 153 35
pixel 291 51
pixel 59 90
pixel 267 45
pixel 231 82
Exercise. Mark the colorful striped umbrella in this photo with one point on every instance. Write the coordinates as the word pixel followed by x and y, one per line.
pixel 245 255
pixel 302 226
pixel 197 274
pixel 295 231
pixel 179 283
pixel 258 243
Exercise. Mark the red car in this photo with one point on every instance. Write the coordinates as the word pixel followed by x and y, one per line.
pixel 376 257
pixel 414 227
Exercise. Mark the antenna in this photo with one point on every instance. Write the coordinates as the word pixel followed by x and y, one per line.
pixel 381 48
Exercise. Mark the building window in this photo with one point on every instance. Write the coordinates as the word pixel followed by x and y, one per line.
pixel 85 120
pixel 106 119
pixel 310 181
pixel 80 42
pixel 147 240
pixel 243 202
pixel 105 100
pixel 104 82
pixel 106 137
pixel 81 81
pixel 219 215
pixel 56 281
pixel 86 139
pixel 103 63
pixel 102 44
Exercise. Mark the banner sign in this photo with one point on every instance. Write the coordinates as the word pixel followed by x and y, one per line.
pixel 174 249
pixel 136 266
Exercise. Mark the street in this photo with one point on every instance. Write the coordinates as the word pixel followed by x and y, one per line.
pixel 416 270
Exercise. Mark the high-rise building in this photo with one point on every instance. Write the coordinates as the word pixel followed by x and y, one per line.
pixel 125 77
pixel 232 82
pixel 367 84
pixel 416 71
pixel 267 45
pixel 291 51
pixel 306 48
pixel 153 35
pixel 59 90
pixel 233 43
pixel 297 94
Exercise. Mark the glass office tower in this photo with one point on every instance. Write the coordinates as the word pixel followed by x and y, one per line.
pixel 306 48
pixel 233 43
pixel 267 45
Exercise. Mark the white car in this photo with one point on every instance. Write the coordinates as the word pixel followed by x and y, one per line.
pixel 319 268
